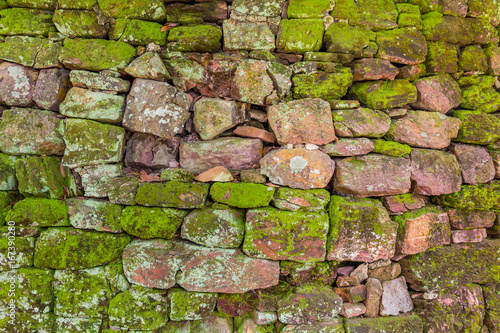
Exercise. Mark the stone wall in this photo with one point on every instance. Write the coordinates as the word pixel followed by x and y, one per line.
pixel 249 166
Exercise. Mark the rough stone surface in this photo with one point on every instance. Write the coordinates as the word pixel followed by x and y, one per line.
pixel 241 35
pixel 94 214
pixel 186 305
pixel 395 297
pixel 361 122
pixel 214 116
pixel 403 46
pixel 148 66
pixel 439 93
pixel 298 168
pixel 468 236
pixel 470 219
pixel 17 85
pixel 99 81
pixel 477 127
pixel 348 147
pixel 374 292
pixel 147 223
pixel 368 69
pixel 51 88
pixel 477 165
pixel 300 200
pixel 174 194
pixel 384 94
pixel 373 175
pixel 242 195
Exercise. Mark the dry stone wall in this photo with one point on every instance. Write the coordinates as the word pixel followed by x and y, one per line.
pixel 251 166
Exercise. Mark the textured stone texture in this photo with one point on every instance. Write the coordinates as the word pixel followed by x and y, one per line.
pixel 361 122
pixel 439 93
pixel 477 165
pixel 213 116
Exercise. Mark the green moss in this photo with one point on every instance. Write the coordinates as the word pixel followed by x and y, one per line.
pixel 122 190
pixel 79 23
pixel 262 55
pixel 48 56
pixel 481 197
pixel 138 308
pixel 305 200
pixel 384 94
pixel 326 86
pixel 409 16
pixel 200 38
pixel 29 322
pixel 96 54
pixel 28 22
pixel 172 194
pixel 37 212
pixel 242 195
pixel 21 49
pixel 185 305
pixel 481 81
pixel 66 248
pixel 399 324
pixel 8 180
pixel 477 127
pixel 7 200
pixel 473 58
pixel 137 32
pixel 94 214
pixel 391 148
pixel 77 4
pixel 441 57
pixel 180 175
pixel 25 249
pixel 149 10
pixel 227 303
pixel 343 38
pixel 300 35
pixel 147 223
pixel 486 100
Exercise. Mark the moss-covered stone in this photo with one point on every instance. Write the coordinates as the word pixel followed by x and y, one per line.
pixel 242 195
pixel 450 29
pixel 473 58
pixel 197 13
pixel 75 325
pixel 43 177
pixel 7 200
pixel 300 35
pixel 138 308
pixel 30 131
pixel 77 4
pixel 361 122
pixel 89 142
pixel 376 14
pixel 244 35
pixel 408 16
pixel 149 10
pixel 199 38
pixel 399 324
pixel 477 127
pixel 327 86
pixel 301 9
pixel 23 257
pixel 66 248
pixel 215 227
pixel 404 46
pixel 304 200
pixel 96 54
pixel 384 94
pixel 343 38
pixel 122 190
pixel 79 23
pixel 391 148
pixel 451 266
pixel 360 230
pixel 481 197
pixel 441 57
pixel 252 176
pixel 172 194
pixel 94 214
pixel 48 56
pixel 38 212
pixel 484 99
pixel 180 175
pixel 28 322
pixel 137 32
pixel 185 305
pixel 281 235
pixel 28 22
pixel 21 49
pixel 491 293
pixel 8 180
pixel 147 223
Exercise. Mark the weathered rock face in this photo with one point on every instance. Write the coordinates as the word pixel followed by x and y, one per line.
pixel 17 85
pixel 302 121
pixel 434 172
pixel 242 195
pixel 84 79
pixel 425 129
pixel 439 93
pixel 232 153
pixel 372 175
pixel 348 147
pixel 94 214
pixel 162 263
pixel 213 116
pixel 384 94
pixel 278 235
pixel 361 122
pixel 360 230
pixel 477 165
pixel 51 88
pixel 298 168
pixel 403 46
pixel 156 108
pixel 368 69
pixel 243 35
pixel 395 297
pixel 477 127
pixel 304 200
pixel 482 196
pixel 174 194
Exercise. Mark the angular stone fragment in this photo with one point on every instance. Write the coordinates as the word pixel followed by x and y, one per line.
pixel 251 82
pixel 39 212
pixel 138 32
pixel 361 122
pixel 156 108
pixel 309 304
pixel 350 310
pixel 94 214
pixel 373 175
pixel 173 194
pixel 216 174
pixel 302 121
pixel 373 69
pixel 148 66
pixel 403 46
pixel 89 142
pixel 481 196
pixel 477 127
pixel 66 248
pixel 236 305
pixel 384 94
pixel 151 10
pixel 455 267
pixel 51 88
pixel 197 38
pixel 149 151
pixel 213 116
pixel 96 54
pixel 17 85
pixel 340 37
pixel 300 35
pixel 439 93
pixel 242 195
pixel 395 297
pixel 232 153
pixel 95 178
pixel 348 147
pixel 79 23
pixel 476 164
pixel 243 35
pixel 324 85
pixel 298 168
pixel 374 292
pixel 385 273
pixel 30 131
pixel 277 235
pixel 468 236
pixel 99 81
pixel 138 308
pixel 23 21
pixel 147 223
pixel 470 219
pixel 398 204
pixel 186 305
pixel 375 234
pixel 160 263
pixel 255 133
pixel 215 11
pixel 352 294
pixel 103 107
pixel 425 129
pixel 214 227
pixel 434 172
pixel 301 200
